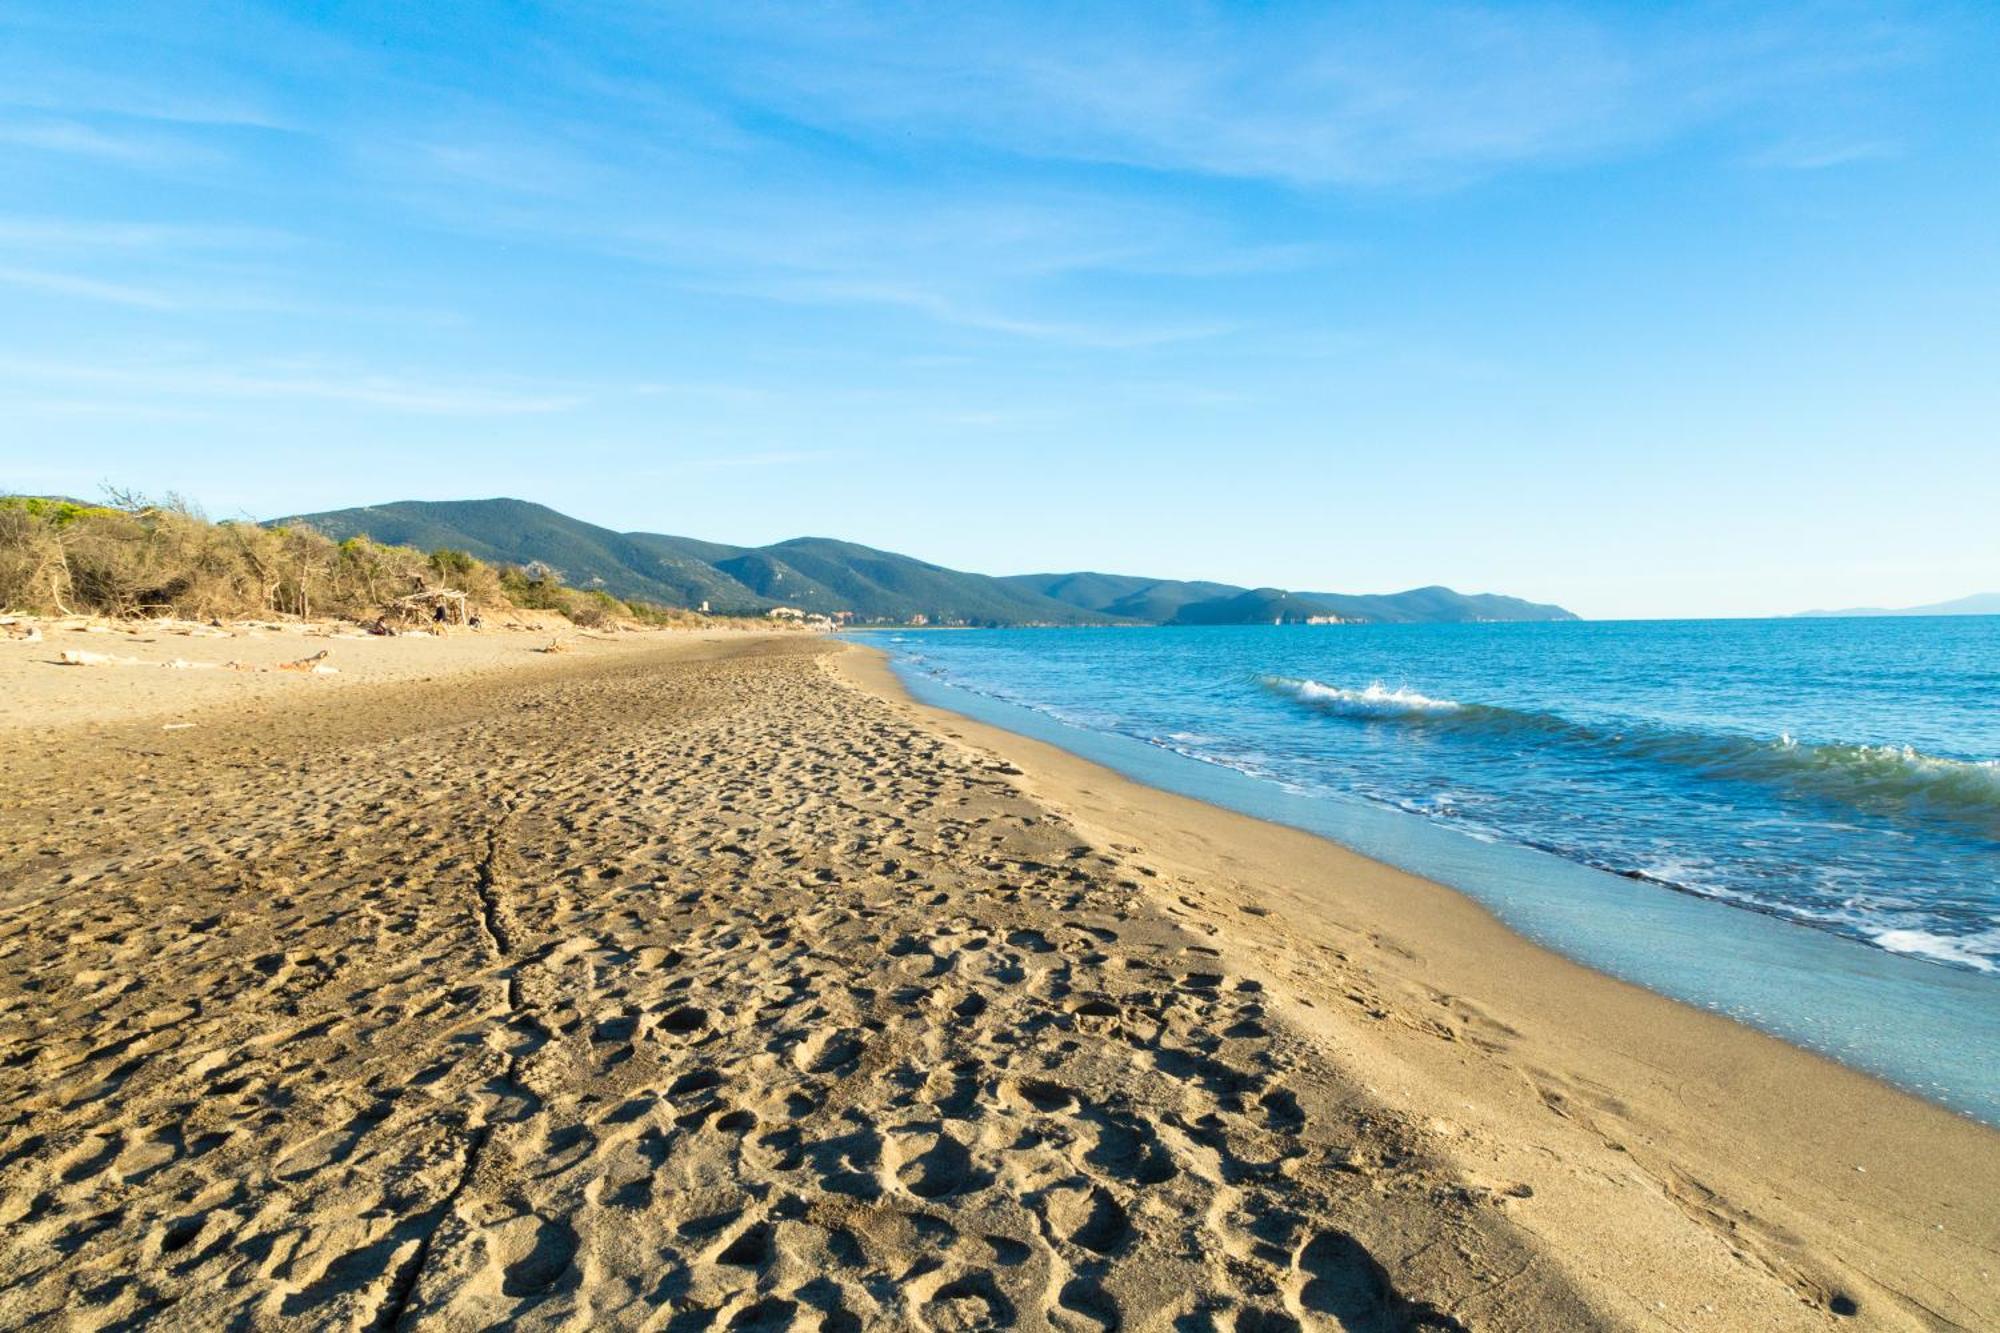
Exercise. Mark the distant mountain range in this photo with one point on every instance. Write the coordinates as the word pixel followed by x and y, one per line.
pixel 1170 602
pixel 1979 604
pixel 823 575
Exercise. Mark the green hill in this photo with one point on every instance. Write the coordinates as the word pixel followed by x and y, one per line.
pixel 671 571
pixel 1979 604
pixel 824 575
pixel 1171 601
pixel 1124 595
pixel 811 573
pixel 1258 606
pixel 818 573
pixel 1435 605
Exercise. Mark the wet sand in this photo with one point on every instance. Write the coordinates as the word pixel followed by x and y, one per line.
pixel 711 983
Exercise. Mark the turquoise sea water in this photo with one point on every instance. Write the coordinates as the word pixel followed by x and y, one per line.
pixel 1796 822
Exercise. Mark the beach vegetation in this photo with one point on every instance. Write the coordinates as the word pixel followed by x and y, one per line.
pixel 136 556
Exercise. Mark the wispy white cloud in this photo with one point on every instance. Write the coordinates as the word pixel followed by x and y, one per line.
pixel 149 65
pixel 944 309
pixel 705 390
pixel 1356 95
pixel 1822 154
pixel 766 458
pixel 146 149
pixel 74 409
pixel 182 291
pixel 976 264
pixel 684 139
pixel 96 235
pixel 200 381
pixel 90 289
pixel 728 194
pixel 67 136
pixel 980 258
pixel 920 162
pixel 180 268
pixel 522 163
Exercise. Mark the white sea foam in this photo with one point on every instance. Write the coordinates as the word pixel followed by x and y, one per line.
pixel 1928 944
pixel 1978 773
pixel 1850 772
pixel 1377 700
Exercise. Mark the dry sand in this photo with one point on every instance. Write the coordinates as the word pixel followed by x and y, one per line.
pixel 710 983
pixel 178 670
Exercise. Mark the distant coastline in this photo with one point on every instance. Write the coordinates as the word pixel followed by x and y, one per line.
pixel 826 577
pixel 1978 604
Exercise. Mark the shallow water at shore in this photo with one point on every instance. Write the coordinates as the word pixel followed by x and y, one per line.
pixel 1746 767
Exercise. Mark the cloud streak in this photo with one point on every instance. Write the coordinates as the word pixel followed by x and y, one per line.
pixel 89 289
pixel 197 382
pixel 1822 155
pixel 1354 96
pixel 93 235
pixel 790 154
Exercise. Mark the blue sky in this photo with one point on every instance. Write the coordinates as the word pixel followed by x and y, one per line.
pixel 1646 309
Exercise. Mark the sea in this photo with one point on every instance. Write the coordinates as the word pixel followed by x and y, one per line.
pixel 1793 822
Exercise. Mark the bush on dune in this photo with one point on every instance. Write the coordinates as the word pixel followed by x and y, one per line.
pixel 134 557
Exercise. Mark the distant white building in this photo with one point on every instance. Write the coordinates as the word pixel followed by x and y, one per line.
pixel 810 619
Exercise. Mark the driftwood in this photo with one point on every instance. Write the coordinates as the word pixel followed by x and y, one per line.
pixel 315 664
pixel 442 606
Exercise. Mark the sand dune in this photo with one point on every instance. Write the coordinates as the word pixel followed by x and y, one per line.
pixel 701 987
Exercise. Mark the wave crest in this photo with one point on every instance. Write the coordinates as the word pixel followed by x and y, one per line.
pixel 1377 700
pixel 1900 776
pixel 1960 950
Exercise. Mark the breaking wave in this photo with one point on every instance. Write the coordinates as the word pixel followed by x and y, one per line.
pixel 1981 954
pixel 1880 777
pixel 1375 701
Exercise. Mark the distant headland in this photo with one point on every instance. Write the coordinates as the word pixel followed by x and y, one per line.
pixel 1979 604
pixel 823 576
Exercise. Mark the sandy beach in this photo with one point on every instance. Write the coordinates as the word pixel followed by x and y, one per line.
pixel 707 982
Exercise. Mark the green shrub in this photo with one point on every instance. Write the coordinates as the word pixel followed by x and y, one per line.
pixel 135 557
